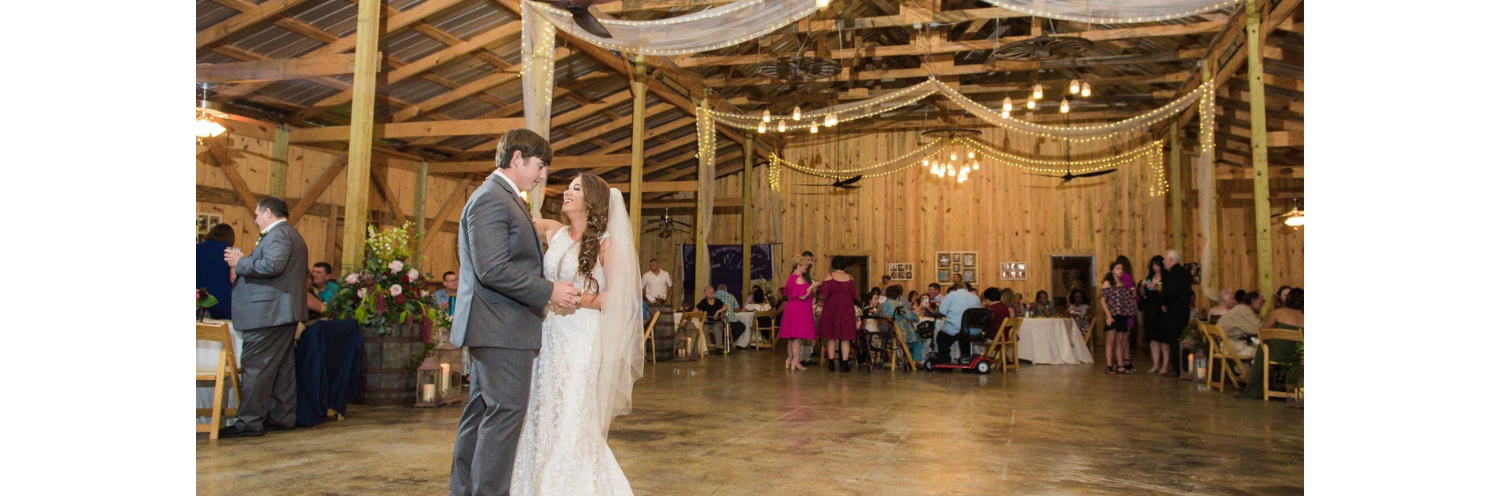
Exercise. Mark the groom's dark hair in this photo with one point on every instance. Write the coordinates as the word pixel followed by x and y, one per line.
pixel 276 205
pixel 526 141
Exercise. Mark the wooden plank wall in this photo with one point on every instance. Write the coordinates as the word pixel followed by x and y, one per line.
pixel 303 169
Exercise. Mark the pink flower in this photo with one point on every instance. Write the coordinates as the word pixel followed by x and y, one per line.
pixel 395 290
pixel 413 274
pixel 396 266
pixel 351 278
pixel 360 293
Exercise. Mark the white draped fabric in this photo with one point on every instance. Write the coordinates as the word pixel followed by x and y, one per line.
pixel 537 44
pixel 710 29
pixel 1113 11
pixel 1206 195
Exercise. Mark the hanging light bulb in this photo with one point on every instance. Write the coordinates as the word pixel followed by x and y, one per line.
pixel 761 128
pixel 821 4
pixel 813 129
pixel 781 126
pixel 974 165
pixel 1006 105
pixel 1030 104
pixel 833 119
pixel 964 170
pixel 971 154
pixel 1087 90
pixel 1004 114
pixel 208 128
pixel 1036 91
pixel 926 163
pixel 1065 107
pixel 797 113
pixel 953 155
pixel 951 170
pixel 765 115
pixel 828 120
pixel 1073 87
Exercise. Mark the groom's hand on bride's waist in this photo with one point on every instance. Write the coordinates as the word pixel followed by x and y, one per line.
pixel 564 295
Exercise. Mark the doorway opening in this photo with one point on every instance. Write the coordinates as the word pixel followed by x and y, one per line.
pixel 1070 272
pixel 859 269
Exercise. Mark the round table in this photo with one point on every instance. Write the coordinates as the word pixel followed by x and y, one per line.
pixel 1051 341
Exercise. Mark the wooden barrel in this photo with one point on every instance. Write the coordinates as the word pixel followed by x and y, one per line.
pixel 664 332
pixel 387 380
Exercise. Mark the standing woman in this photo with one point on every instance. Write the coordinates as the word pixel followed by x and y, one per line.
pixel 1119 306
pixel 797 313
pixel 1154 315
pixel 840 319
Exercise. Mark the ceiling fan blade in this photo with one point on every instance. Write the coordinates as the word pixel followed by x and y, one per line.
pixel 587 22
pixel 1035 174
pixel 1096 173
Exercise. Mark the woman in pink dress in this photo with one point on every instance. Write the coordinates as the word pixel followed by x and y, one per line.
pixel 840 320
pixel 797 313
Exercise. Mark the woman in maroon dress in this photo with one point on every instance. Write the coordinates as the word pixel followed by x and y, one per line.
pixel 840 320
pixel 797 315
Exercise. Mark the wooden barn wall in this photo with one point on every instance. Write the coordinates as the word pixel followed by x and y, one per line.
pixel 304 167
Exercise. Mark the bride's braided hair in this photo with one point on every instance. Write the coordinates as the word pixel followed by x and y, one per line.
pixel 596 211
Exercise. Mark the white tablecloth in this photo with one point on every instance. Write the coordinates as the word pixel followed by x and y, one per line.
pixel 208 356
pixel 1051 341
pixel 747 318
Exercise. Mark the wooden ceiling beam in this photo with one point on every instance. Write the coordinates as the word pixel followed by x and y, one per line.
pixel 276 70
pixel 410 130
pixel 243 20
pixel 559 162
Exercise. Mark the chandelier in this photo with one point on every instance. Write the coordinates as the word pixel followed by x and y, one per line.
pixel 1075 87
pixel 953 167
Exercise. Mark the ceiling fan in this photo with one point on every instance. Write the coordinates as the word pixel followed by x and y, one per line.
pixel 1068 174
pixel 1295 217
pixel 850 183
pixel 667 225
pixel 581 15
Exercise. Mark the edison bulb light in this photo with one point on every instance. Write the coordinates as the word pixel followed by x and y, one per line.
pixel 1030 104
pixel 781 126
pixel 1036 91
pixel 952 155
pixel 821 4
pixel 813 129
pixel 765 115
pixel 1087 90
pixel 1065 107
pixel 1004 114
pixel 974 165
pixel 1006 105
pixel 971 154
pixel 797 113
pixel 761 128
pixel 1073 87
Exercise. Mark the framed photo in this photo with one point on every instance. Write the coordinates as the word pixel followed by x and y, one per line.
pixel 968 275
pixel 207 221
pixel 900 271
pixel 1013 271
pixel 944 276
pixel 969 260
pixel 944 260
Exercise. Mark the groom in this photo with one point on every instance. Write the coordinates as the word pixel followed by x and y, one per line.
pixel 502 297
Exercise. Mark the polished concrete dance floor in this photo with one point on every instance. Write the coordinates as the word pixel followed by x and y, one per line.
pixel 741 425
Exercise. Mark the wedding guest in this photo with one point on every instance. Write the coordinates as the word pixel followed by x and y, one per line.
pixel 1078 308
pixel 910 300
pixel 1119 305
pixel 994 299
pixel 1043 306
pixel 1288 316
pixel 1281 293
pixel 1177 297
pixel 321 285
pixel 1128 280
pixel 951 310
pixel 797 323
pixel 729 301
pixel 270 288
pixel 934 295
pixel 810 259
pixel 902 316
pixel 713 311
pixel 885 282
pixel 1153 308
pixel 656 283
pixel 1242 325
pixel 1008 297
pixel 1227 301
pixel 315 304
pixel 840 320
pixel 213 273
pixel 1281 351
pixel 780 297
pixel 448 295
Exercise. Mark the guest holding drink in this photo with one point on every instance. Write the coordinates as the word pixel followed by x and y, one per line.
pixel 1153 310
pixel 445 298
pixel 1043 306
pixel 797 322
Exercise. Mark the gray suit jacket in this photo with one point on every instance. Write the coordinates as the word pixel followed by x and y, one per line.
pixel 271 288
pixel 502 291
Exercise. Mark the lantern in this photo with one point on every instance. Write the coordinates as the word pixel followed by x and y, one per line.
pixel 440 377
pixel 427 382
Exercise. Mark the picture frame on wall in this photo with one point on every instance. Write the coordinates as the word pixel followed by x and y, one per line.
pixel 944 260
pixel 969 260
pixel 900 271
pixel 1013 271
pixel 944 276
pixel 969 275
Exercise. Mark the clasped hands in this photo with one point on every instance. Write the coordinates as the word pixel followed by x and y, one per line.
pixel 565 296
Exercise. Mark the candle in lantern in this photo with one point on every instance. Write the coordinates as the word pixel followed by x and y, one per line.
pixel 428 392
pixel 443 380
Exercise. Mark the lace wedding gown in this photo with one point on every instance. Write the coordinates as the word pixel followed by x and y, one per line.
pixel 562 451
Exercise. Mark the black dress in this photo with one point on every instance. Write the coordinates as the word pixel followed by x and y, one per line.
pixel 1151 302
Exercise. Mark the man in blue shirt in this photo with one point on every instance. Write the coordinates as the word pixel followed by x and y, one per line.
pixel 952 310
pixel 729 301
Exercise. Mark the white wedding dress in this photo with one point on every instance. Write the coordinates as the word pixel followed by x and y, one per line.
pixel 561 451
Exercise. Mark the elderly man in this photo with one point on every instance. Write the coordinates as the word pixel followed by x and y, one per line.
pixel 1242 325
pixel 446 297
pixel 730 303
pixel 1177 303
pixel 270 297
pixel 952 310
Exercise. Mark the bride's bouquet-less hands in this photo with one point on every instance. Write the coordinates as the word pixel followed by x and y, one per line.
pixel 387 291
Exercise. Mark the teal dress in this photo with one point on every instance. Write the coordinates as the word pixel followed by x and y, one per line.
pixel 1282 351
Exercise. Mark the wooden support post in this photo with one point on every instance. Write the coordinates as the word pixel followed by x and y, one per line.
pixel 637 144
pixel 361 126
pixel 1258 152
pixel 1174 189
pixel 419 211
pixel 278 162
pixel 705 214
pixel 747 214
pixel 330 241
pixel 1210 208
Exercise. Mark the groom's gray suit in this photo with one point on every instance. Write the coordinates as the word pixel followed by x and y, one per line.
pixel 502 298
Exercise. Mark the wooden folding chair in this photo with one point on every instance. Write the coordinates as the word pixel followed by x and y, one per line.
pixel 771 328
pixel 702 319
pixel 216 374
pixel 1003 349
pixel 651 336
pixel 1265 353
pixel 1224 353
pixel 1096 328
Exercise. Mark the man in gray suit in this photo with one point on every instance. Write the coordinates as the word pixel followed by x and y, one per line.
pixel 502 298
pixel 270 297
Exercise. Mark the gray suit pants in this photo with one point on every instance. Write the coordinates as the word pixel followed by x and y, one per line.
pixel 268 377
pixel 490 428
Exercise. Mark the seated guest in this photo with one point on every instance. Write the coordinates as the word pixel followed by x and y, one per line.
pixel 1043 306
pixel 730 303
pixel 910 300
pixel 321 285
pixel 952 310
pixel 1011 300
pixel 713 310
pixel 1226 303
pixel 213 273
pixel 315 302
pixel 780 297
pixel 905 320
pixel 993 299
pixel 1281 294
pixel 934 296
pixel 1242 323
pixel 1078 307
pixel 758 301
pixel 1289 316
pixel 446 297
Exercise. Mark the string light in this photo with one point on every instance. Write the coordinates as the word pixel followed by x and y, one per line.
pixel 555 16
pixel 1073 87
pixel 1119 20
pixel 1038 165
pixel 971 154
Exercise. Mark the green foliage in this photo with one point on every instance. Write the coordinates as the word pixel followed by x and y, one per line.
pixel 387 291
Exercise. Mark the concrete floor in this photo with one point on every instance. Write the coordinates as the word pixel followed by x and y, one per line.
pixel 741 425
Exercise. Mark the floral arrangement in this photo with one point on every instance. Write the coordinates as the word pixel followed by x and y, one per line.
pixel 387 291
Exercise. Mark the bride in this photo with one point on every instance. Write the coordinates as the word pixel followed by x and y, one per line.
pixel 590 356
